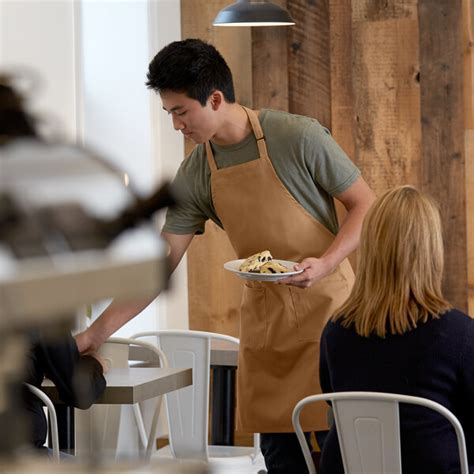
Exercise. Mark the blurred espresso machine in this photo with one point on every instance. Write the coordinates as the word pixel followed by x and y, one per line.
pixel 71 233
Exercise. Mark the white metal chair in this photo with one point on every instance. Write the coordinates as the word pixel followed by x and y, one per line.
pixel 53 432
pixel 107 418
pixel 188 408
pixel 368 429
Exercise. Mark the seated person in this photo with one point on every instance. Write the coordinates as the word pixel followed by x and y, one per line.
pixel 79 379
pixel 396 333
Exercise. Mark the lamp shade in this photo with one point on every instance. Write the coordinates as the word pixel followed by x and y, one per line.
pixel 253 13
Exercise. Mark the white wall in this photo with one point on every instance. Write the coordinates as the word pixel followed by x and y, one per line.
pixel 92 58
pixel 37 38
pixel 165 26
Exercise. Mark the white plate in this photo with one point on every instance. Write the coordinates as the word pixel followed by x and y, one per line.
pixel 233 266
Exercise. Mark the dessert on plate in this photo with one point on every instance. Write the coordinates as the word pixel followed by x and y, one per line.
pixel 262 262
pixel 273 267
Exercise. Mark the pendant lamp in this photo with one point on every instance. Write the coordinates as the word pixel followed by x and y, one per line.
pixel 253 13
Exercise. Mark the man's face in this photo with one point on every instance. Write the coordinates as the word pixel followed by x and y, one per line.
pixel 189 116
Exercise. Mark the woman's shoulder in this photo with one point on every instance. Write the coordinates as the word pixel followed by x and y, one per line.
pixel 334 328
pixel 457 318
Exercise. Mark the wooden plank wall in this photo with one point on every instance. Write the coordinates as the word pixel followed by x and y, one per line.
pixel 442 123
pixel 389 80
pixel 468 17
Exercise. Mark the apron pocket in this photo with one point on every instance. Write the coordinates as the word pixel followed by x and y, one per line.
pixel 253 320
pixel 315 305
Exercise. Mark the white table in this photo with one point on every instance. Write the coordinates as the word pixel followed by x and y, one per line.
pixel 133 385
pixel 124 387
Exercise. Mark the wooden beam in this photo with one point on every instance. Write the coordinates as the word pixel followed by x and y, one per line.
pixel 342 96
pixel 442 121
pixel 468 20
pixel 270 66
pixel 385 84
pixel 309 62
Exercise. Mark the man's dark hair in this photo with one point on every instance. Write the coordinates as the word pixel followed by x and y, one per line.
pixel 193 67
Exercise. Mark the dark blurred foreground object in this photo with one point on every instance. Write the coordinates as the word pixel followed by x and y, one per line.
pixel 52 211
pixel 66 227
pixel 14 122
pixel 34 229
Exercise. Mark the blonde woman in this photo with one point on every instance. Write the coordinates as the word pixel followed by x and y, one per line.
pixel 396 333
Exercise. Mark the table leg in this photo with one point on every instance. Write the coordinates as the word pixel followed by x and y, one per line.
pixel 223 405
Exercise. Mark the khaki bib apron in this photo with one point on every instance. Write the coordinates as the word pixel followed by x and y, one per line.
pixel 280 325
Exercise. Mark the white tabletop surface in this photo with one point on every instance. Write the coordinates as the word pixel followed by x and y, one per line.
pixel 133 385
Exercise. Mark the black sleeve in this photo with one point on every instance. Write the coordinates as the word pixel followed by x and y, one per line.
pixel 79 379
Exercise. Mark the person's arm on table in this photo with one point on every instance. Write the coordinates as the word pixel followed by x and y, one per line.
pixel 119 313
pixel 79 378
pixel 357 200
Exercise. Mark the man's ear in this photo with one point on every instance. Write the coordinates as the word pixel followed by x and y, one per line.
pixel 216 99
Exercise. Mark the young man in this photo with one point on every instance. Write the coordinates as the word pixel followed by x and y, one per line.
pixel 268 178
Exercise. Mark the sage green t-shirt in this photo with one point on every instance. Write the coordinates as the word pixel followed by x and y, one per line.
pixel 305 157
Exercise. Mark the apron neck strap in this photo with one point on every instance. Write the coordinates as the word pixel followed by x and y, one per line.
pixel 210 157
pixel 257 131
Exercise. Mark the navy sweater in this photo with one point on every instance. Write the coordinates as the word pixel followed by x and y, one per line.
pixel 435 361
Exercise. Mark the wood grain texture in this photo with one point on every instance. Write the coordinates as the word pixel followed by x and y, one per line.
pixel 342 94
pixel 270 65
pixel 386 102
pixel 442 119
pixel 376 10
pixel 309 60
pixel 468 20
pixel 469 147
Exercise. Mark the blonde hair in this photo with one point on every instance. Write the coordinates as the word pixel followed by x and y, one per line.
pixel 401 259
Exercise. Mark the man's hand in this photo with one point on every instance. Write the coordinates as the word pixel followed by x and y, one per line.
pixel 86 343
pixel 314 269
pixel 105 362
pixel 357 200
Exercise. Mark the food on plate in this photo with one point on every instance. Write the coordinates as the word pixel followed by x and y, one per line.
pixel 254 262
pixel 262 262
pixel 273 267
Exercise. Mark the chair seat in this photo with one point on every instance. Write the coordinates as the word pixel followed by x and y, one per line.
pixel 231 451
pixel 229 459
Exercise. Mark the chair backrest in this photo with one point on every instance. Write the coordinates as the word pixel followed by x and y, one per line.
pixel 188 407
pixel 368 429
pixel 53 420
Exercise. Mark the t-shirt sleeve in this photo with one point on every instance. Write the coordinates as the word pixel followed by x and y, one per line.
pixel 188 216
pixel 329 165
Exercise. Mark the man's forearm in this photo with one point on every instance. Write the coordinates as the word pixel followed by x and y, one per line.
pixel 113 318
pixel 119 313
pixel 357 200
pixel 347 239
